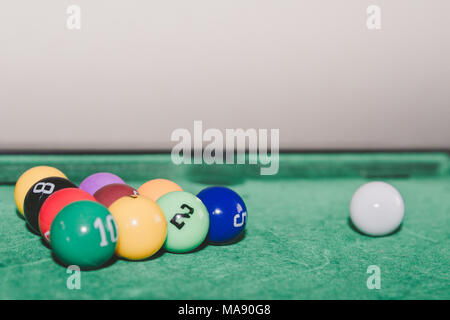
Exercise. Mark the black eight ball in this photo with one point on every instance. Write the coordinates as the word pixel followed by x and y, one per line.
pixel 36 196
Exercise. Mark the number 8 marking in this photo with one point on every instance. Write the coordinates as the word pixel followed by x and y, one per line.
pixel 41 187
pixel 112 227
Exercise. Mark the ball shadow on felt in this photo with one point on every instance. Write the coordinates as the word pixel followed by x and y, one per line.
pixel 355 229
pixel 20 215
pixel 237 239
pixel 32 230
pixel 110 262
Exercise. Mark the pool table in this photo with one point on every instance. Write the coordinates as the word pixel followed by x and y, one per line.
pixel 298 244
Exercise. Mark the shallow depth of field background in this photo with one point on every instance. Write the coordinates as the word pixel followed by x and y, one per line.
pixel 137 70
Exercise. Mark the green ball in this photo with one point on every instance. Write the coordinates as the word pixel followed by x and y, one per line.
pixel 84 233
pixel 187 221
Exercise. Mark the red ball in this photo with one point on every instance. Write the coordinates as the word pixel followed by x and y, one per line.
pixel 112 192
pixel 55 203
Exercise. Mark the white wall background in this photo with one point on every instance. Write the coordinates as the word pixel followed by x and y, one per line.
pixel 137 70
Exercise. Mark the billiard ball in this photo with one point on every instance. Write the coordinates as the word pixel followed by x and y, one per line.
pixel 96 181
pixel 30 177
pixel 84 234
pixel 142 227
pixel 377 208
pixel 227 213
pixel 37 195
pixel 112 192
pixel 187 221
pixel 55 203
pixel 156 188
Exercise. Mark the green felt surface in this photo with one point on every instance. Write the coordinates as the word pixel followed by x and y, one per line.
pixel 298 244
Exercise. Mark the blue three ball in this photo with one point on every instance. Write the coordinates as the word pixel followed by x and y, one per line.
pixel 227 213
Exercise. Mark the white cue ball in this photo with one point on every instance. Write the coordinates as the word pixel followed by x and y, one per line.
pixel 377 208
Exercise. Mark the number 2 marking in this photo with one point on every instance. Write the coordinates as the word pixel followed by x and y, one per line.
pixel 177 216
pixel 111 225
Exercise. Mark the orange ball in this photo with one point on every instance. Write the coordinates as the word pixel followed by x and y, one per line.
pixel 156 188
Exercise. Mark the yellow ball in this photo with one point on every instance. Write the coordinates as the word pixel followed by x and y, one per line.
pixel 142 227
pixel 156 188
pixel 29 178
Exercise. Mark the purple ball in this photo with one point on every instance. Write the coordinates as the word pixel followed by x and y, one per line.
pixel 97 181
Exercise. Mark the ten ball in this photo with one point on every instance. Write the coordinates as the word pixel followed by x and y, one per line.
pixel 377 209
pixel 227 213
pixel 37 195
pixel 55 203
pixel 85 234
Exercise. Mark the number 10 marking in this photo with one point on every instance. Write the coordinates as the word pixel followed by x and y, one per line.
pixel 111 226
